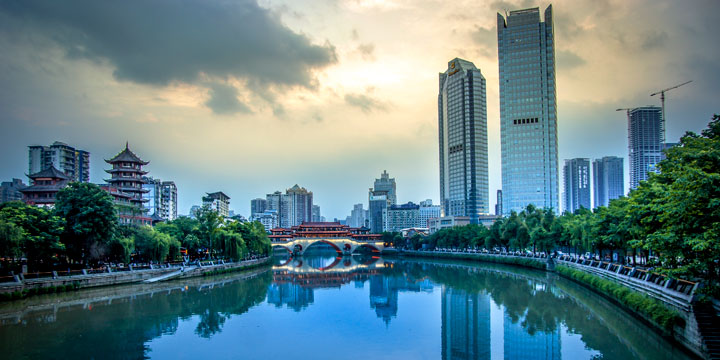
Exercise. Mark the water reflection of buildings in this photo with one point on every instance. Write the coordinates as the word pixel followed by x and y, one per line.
pixel 519 344
pixel 465 325
pixel 384 293
pixel 294 296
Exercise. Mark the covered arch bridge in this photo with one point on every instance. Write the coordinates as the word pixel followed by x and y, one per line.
pixel 343 239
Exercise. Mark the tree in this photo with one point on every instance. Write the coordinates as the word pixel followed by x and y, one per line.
pixel 40 229
pixel 11 240
pixel 90 220
pixel 230 244
pixel 155 246
pixel 678 210
pixel 120 249
pixel 208 223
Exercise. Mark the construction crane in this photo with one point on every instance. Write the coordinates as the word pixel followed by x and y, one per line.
pixel 662 101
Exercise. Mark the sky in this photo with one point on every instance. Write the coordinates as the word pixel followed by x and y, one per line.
pixel 251 97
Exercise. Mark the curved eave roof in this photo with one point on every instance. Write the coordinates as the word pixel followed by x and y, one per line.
pixel 127 156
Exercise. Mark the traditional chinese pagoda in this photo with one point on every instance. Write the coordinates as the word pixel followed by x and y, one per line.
pixel 126 186
pixel 44 187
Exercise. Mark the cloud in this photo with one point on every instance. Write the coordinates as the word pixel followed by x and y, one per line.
pixel 224 100
pixel 367 51
pixel 654 40
pixel 568 60
pixel 487 39
pixel 162 42
pixel 366 102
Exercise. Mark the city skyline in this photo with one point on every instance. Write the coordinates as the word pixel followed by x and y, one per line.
pixel 362 90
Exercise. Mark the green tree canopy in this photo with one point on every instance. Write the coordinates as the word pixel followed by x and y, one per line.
pixel 90 220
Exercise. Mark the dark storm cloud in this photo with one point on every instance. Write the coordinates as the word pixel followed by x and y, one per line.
pixel 224 100
pixel 567 60
pixel 162 41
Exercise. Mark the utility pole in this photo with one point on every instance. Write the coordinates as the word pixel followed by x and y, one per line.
pixel 662 101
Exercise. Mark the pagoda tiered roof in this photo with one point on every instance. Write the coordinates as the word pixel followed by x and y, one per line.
pixel 127 156
pixel 50 173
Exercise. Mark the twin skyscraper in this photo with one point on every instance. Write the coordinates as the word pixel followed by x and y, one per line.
pixel 528 122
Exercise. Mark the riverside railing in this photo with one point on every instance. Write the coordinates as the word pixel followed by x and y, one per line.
pixel 109 269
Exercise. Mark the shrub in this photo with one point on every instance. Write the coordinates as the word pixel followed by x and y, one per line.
pixel 653 310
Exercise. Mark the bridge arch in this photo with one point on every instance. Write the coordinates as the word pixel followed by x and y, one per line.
pixel 371 247
pixel 334 246
pixel 282 247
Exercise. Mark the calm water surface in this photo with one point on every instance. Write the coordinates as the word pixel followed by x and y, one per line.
pixel 325 307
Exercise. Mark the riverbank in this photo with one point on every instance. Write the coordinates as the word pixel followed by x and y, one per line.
pixel 29 287
pixel 668 321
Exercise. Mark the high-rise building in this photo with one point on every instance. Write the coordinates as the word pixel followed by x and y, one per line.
pixel 645 128
pixel 398 217
pixel 219 202
pixel 576 175
pixel 608 179
pixel 316 213
pixel 377 204
pixel 258 206
pixel 126 187
pixel 426 212
pixel 385 183
pixel 168 200
pixel 10 190
pixel 498 203
pixel 74 163
pixel 301 205
pixel 152 195
pixel 528 110
pixel 357 216
pixel 162 198
pixel 462 124
pixel 293 207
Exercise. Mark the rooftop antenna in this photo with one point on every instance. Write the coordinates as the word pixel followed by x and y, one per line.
pixel 662 101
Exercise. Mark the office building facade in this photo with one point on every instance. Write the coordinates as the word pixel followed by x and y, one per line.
pixel 10 190
pixel 462 128
pixel 608 180
pixel 387 184
pixel 293 207
pixel 258 206
pixel 576 176
pixel 528 110
pixel 645 142
pixel 398 217
pixel 73 162
pixel 218 202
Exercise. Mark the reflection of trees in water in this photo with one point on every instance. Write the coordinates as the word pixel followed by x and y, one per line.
pixel 121 329
pixel 529 298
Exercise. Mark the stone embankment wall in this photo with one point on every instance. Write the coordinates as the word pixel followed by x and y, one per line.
pixel 124 277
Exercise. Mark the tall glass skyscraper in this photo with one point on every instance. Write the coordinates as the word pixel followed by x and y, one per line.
pixel 462 124
pixel 645 127
pixel 608 179
pixel 528 110
pixel 576 175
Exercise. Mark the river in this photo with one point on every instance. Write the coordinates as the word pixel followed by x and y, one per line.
pixel 326 307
